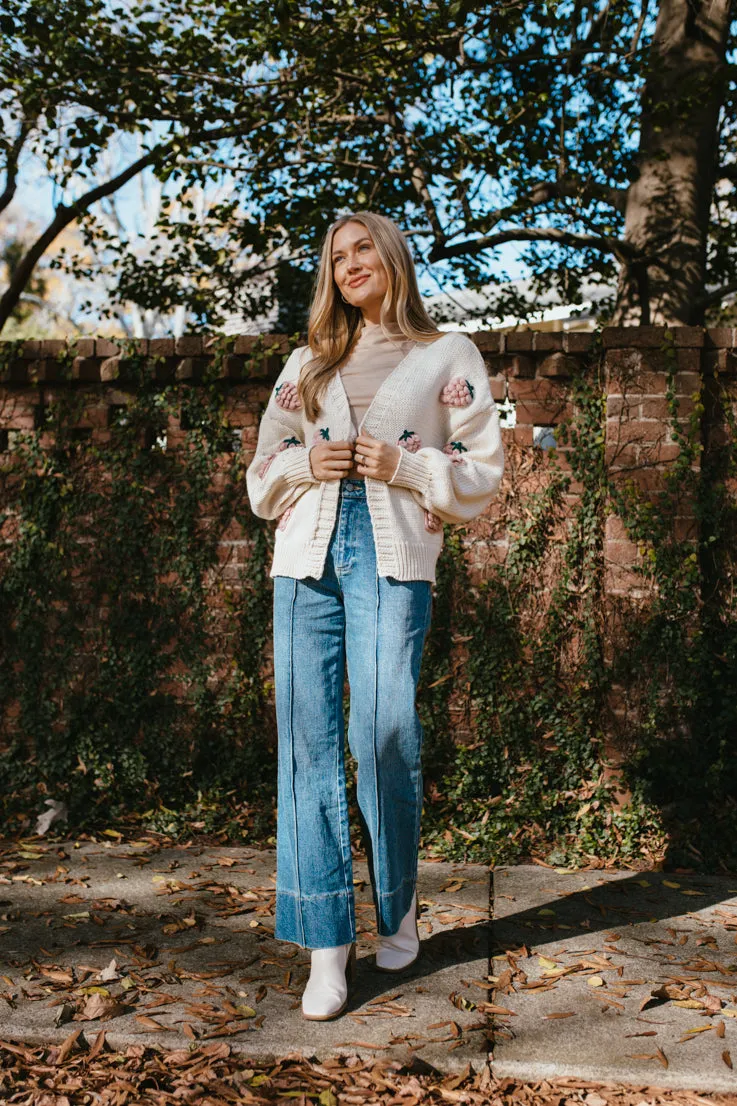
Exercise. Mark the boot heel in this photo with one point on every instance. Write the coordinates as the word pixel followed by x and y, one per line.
pixel 350 971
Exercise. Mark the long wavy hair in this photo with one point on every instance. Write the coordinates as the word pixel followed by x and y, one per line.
pixel 334 325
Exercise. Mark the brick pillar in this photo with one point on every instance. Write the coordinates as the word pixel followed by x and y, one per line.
pixel 641 448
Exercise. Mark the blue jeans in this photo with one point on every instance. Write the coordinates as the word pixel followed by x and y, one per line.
pixel 377 625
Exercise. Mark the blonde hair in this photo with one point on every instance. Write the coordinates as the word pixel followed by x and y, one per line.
pixel 334 325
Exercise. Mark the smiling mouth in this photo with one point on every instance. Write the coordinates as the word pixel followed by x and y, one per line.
pixel 355 283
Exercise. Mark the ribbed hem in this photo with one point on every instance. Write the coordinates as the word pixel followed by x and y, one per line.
pixel 412 472
pixel 298 561
pixel 295 467
pixel 414 561
pixel 403 561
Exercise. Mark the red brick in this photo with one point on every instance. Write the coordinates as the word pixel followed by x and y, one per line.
pixel 518 340
pixel 539 391
pixel 577 341
pixel 723 337
pixel 245 344
pixel 558 364
pixel 522 366
pixel 39 372
pixel 189 345
pixel 487 341
pixel 522 435
pixel 110 369
pixel 664 452
pixel 688 360
pixel 634 430
pixel 498 388
pixel 619 580
pixel 642 383
pixel 620 455
pixel 161 347
pixel 633 337
pixel 615 529
pixel 685 336
pixel 654 408
pixel 620 405
pixel 547 340
pixel 687 383
pixel 536 414
pixel 105 348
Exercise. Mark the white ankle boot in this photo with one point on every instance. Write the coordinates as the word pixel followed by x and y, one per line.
pixel 403 947
pixel 326 993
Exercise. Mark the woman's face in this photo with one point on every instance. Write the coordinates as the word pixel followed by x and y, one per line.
pixel 358 270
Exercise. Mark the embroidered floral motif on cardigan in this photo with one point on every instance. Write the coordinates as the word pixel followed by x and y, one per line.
pixel 455 451
pixel 284 519
pixel 322 434
pixel 286 396
pixel 410 441
pixel 284 444
pixel 459 392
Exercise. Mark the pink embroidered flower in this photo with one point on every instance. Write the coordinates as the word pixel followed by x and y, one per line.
pixel 455 451
pixel 284 518
pixel 322 434
pixel 286 443
pixel 432 522
pixel 458 393
pixel 286 396
pixel 410 441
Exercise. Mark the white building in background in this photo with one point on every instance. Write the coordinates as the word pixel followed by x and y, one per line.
pixel 463 309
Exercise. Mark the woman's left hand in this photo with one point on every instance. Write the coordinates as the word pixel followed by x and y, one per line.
pixel 375 458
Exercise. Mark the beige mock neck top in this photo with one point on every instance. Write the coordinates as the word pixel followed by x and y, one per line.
pixel 374 356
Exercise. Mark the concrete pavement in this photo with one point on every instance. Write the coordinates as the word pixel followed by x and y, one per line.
pixel 612 976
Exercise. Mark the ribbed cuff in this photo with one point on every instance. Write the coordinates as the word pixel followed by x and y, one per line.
pixel 296 468
pixel 412 472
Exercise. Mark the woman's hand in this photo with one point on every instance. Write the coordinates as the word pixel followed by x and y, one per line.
pixel 375 458
pixel 330 460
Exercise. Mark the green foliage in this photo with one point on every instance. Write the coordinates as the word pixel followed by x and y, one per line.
pixel 116 618
pixel 541 676
pixel 135 678
pixel 474 125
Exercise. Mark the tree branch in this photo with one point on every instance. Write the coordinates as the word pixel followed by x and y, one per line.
pixel 11 166
pixel 67 213
pixel 716 297
pixel 418 176
pixel 622 250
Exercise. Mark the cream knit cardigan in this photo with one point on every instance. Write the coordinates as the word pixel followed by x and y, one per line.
pixel 437 405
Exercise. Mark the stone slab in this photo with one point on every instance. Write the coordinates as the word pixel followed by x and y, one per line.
pixel 632 934
pixel 191 934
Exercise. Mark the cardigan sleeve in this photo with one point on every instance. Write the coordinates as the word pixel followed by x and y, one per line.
pixel 457 483
pixel 280 470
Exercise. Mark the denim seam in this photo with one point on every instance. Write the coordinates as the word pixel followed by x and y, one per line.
pixel 397 889
pixel 291 752
pixel 308 898
pixel 340 792
pixel 374 713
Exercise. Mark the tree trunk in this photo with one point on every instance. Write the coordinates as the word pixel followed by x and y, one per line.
pixel 668 205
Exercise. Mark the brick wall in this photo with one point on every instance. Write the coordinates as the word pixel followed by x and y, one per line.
pixel 530 376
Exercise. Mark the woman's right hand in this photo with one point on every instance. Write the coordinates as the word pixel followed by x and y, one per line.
pixel 331 460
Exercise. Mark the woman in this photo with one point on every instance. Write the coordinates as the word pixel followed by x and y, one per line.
pixel 376 433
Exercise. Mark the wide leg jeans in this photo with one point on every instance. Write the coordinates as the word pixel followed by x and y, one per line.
pixel 377 627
